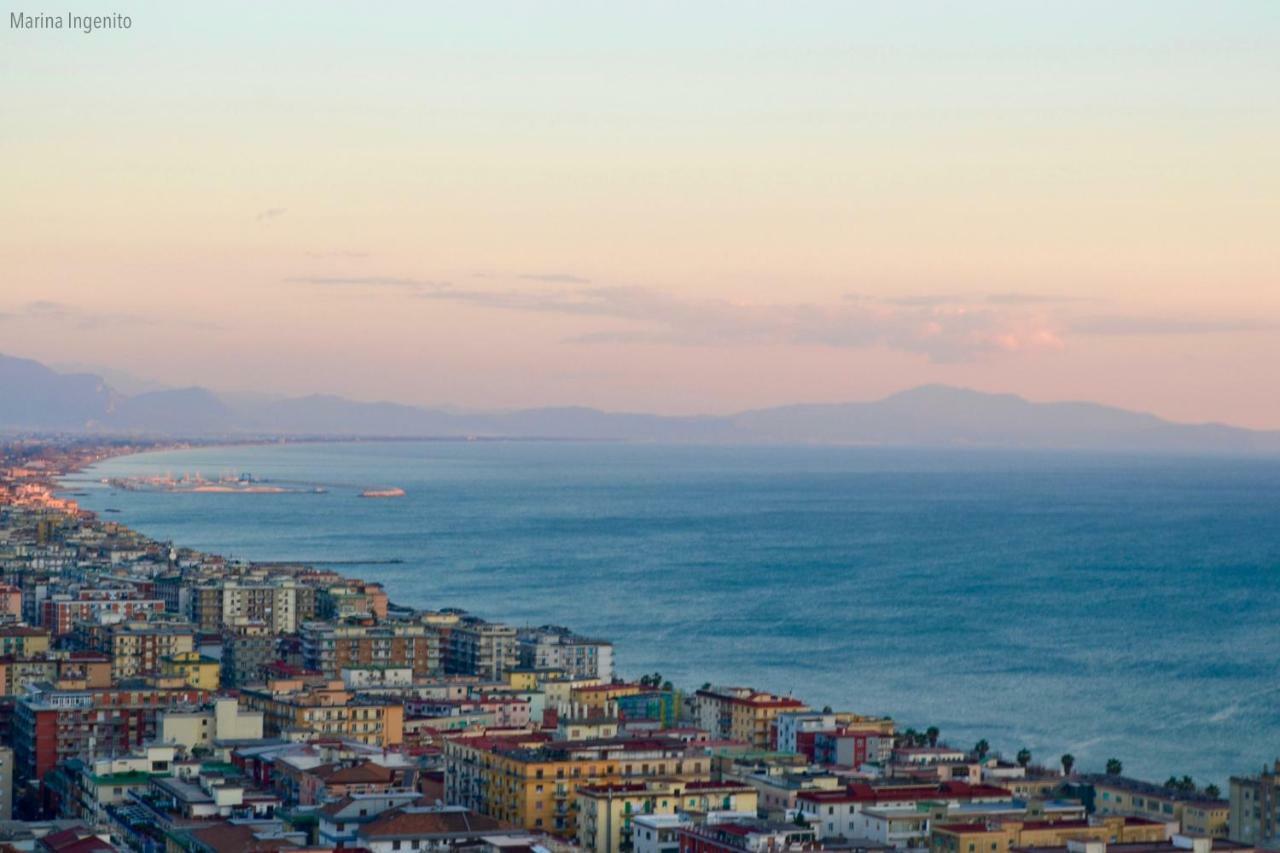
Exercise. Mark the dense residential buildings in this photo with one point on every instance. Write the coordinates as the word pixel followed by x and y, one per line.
pixel 554 647
pixel 329 648
pixel 52 725
pixel 1196 813
pixel 246 648
pixel 480 648
pixel 742 713
pixel 297 707
pixel 606 812
pixel 163 700
pixel 1255 807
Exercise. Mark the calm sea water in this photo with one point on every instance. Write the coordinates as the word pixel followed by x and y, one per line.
pixel 1103 606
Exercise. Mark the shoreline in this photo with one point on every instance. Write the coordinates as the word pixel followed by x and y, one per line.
pixel 58 478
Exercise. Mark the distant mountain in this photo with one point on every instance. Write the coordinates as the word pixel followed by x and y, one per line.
pixel 939 415
pixel 34 397
pixel 181 411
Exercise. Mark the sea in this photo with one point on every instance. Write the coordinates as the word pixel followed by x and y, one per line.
pixel 1107 606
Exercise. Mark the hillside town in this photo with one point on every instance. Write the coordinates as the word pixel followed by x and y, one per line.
pixel 158 699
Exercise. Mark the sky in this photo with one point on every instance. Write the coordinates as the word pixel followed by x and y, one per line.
pixel 667 207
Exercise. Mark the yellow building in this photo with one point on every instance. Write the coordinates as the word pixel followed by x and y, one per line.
pixel 999 837
pixel 596 697
pixel 743 714
pixel 23 641
pixel 194 668
pixel 1195 813
pixel 531 783
pixel 605 811
pixel 295 706
pixel 559 689
pixel 522 679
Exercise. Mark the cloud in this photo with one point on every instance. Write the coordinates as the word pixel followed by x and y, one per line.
pixel 940 333
pixel 1133 325
pixel 944 328
pixel 271 213
pixel 1010 298
pixel 83 319
pixel 555 278
pixel 366 281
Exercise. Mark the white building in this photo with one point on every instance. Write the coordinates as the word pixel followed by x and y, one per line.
pixel 555 647
pixel 222 720
pixel 365 677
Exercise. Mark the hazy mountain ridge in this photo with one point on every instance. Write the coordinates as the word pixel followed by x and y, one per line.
pixel 34 397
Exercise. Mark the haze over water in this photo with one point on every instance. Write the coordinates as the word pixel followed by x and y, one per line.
pixel 1106 606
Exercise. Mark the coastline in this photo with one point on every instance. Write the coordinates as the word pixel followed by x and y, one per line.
pixel 214 551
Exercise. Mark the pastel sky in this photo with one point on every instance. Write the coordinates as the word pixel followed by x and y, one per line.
pixel 672 207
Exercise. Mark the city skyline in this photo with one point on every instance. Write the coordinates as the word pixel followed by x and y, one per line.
pixel 676 210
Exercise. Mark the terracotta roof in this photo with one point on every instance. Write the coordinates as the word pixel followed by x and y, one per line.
pixel 356 774
pixel 410 823
pixel 232 838
pixel 76 839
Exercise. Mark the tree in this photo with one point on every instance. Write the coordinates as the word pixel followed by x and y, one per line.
pixel 1024 757
pixel 799 820
pixel 981 748
pixel 826 709
pixel 1114 767
pixel 932 734
pixel 1068 761
pixel 1213 792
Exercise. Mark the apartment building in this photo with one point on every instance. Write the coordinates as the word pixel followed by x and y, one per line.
pixel 23 640
pixel 85 668
pixel 194 668
pixel 222 719
pixel 1196 813
pixel 742 713
pixel 557 648
pixel 280 604
pixel 330 648
pixel 1255 808
pixel 295 706
pixel 531 783
pixel 839 812
pixel 61 613
pixel 485 649
pixel 52 725
pixel 246 647
pixel 136 648
pixel 606 812
pixel 1003 835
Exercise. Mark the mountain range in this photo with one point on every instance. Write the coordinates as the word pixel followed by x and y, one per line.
pixel 34 397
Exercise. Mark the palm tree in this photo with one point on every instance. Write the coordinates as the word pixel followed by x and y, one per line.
pixel 1114 767
pixel 981 748
pixel 1068 761
pixel 932 734
pixel 1024 757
